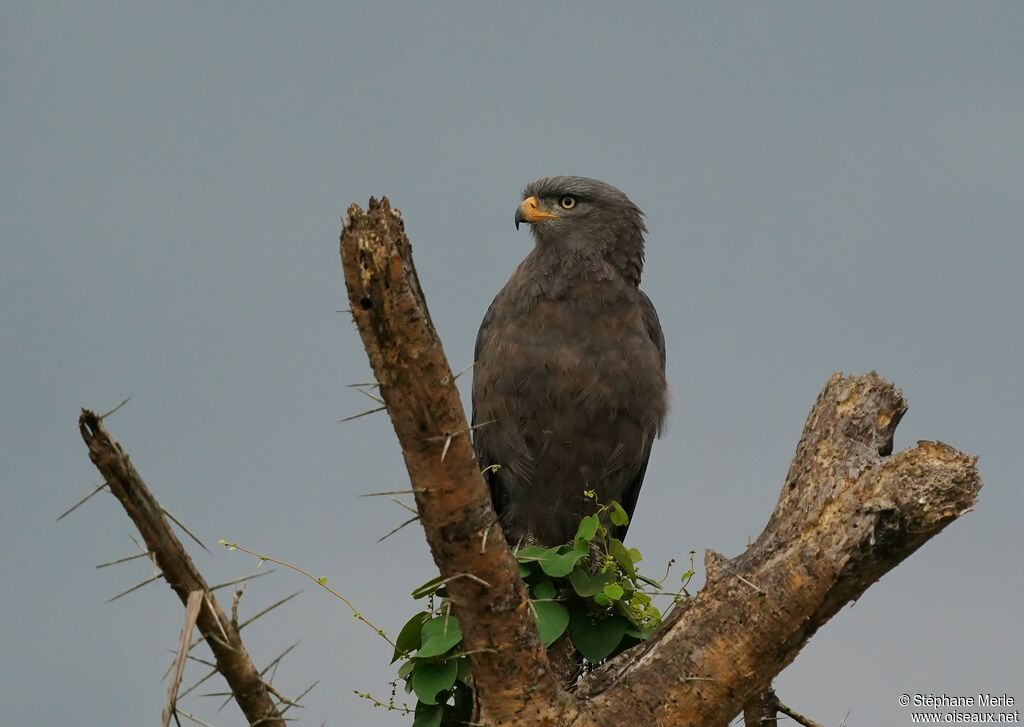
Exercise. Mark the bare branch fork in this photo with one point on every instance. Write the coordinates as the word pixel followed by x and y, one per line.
pixel 850 511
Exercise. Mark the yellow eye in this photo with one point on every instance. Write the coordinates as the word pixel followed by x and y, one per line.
pixel 567 202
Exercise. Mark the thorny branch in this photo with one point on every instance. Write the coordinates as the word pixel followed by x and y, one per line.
pixel 178 570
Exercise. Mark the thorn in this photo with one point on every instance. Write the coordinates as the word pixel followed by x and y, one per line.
pixel 277 659
pixel 181 525
pixel 136 587
pixel 81 502
pixel 306 691
pixel 446 380
pixel 449 579
pixel 249 577
pixel 377 399
pixel 104 416
pixel 273 674
pixel 390 492
pixel 483 540
pixel 209 674
pixel 477 579
pixel 413 510
pixel 268 609
pixel 226 702
pixel 125 559
pixel 216 617
pixel 449 436
pixel 737 575
pixel 195 719
pixel 217 640
pixel 362 414
pixel 280 697
pixel 407 522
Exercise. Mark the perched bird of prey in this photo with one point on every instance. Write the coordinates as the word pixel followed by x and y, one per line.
pixel 569 383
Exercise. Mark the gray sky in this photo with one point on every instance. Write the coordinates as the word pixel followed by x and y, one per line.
pixel 827 188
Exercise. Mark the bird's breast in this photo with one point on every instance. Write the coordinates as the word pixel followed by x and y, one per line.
pixel 569 392
pixel 578 362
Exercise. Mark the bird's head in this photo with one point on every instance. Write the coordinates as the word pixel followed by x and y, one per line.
pixel 577 217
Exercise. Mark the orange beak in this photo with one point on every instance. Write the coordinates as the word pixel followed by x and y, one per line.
pixel 530 211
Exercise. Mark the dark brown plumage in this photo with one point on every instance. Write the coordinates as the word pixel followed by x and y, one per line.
pixel 569 383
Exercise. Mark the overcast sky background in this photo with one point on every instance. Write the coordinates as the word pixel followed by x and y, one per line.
pixel 827 188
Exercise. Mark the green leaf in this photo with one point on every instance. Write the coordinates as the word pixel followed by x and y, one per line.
pixel 640 598
pixel 618 551
pixel 587 529
pixel 544 589
pixel 436 640
pixel 524 570
pixel 587 585
pixel 429 679
pixel 614 591
pixel 552 620
pixel 638 633
pixel 427 588
pixel 635 555
pixel 407 668
pixel 559 566
pixel 409 637
pixel 428 715
pixel 618 515
pixel 596 639
pixel 534 552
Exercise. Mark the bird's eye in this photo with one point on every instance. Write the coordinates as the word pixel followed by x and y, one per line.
pixel 567 202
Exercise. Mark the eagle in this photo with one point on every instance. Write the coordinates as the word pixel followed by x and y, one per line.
pixel 569 386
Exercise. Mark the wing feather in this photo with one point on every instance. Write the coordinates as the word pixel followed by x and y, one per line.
pixel 632 491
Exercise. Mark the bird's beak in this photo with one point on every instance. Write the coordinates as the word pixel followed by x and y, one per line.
pixel 529 211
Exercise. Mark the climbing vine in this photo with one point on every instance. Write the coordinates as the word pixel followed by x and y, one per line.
pixel 590 588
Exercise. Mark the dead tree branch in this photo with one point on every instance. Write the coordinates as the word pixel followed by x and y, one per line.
pixel 513 679
pixel 178 570
pixel 849 512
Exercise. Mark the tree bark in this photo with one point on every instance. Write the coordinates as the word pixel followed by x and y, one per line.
pixel 849 512
pixel 511 674
pixel 233 661
pixel 762 711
